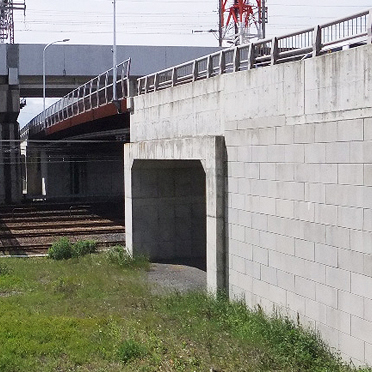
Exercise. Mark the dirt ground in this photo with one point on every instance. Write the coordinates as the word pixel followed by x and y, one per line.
pixel 182 278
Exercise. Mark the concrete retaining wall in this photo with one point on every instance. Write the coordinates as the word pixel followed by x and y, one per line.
pixel 298 214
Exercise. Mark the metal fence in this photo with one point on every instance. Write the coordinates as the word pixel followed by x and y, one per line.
pixel 310 42
pixel 95 93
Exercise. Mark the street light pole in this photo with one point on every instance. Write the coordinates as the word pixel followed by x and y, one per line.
pixel 44 77
pixel 114 58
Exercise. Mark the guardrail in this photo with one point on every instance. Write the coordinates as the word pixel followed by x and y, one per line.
pixel 95 93
pixel 315 41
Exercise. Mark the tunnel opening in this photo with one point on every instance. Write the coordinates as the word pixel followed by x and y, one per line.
pixel 169 211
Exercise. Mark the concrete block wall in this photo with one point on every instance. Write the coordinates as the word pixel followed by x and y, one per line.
pixel 298 215
pixel 299 194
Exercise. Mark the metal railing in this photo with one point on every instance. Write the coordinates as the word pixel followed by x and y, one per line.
pixel 93 94
pixel 315 41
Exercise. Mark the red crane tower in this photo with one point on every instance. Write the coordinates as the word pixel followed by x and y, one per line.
pixel 245 20
pixel 6 18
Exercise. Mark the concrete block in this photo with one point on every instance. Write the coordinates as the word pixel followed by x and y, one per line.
pixel 354 347
pixel 315 192
pixel 350 303
pixel 236 200
pixel 285 244
pixel 326 132
pixel 315 153
pixel 267 171
pixel 305 287
pixel 350 130
pixel 260 255
pixel 338 319
pixel 290 190
pixel 367 172
pixel 314 232
pixel 284 135
pixel 315 310
pixel 244 185
pixel 244 154
pixel 337 236
pixel 267 205
pixel 326 214
pixel 367 354
pixel 304 133
pixel 350 217
pixel 285 280
pixel 350 174
pixel 361 241
pixel 350 260
pixel 356 152
pixel 295 153
pixel 284 172
pixel 304 210
pixel 253 269
pixel 238 233
pixel 284 208
pixel 269 275
pixel 304 249
pixel 326 254
pixel 338 278
pixel 259 154
pixel 367 129
pixel 237 264
pixel 252 170
pixel 241 249
pixel 338 152
pixel 361 329
pixel 326 295
pixel 252 236
pixel 245 218
pixel 259 221
pixel 366 312
pixel 236 170
pixel 276 154
pixel 361 285
pixel 296 302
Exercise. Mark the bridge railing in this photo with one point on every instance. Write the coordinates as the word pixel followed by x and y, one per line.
pixel 298 45
pixel 95 93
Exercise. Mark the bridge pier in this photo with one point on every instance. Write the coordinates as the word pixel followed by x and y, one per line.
pixel 10 179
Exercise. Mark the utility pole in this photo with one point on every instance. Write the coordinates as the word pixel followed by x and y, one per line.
pixel 263 19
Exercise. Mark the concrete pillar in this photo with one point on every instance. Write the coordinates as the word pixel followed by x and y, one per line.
pixel 10 177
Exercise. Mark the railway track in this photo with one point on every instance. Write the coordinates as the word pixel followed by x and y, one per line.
pixel 31 230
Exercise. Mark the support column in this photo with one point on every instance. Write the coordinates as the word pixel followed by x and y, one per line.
pixel 10 170
pixel 10 177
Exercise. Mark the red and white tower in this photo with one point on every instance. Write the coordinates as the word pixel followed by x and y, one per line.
pixel 6 18
pixel 242 20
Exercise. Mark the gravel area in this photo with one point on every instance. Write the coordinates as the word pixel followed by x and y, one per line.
pixel 167 277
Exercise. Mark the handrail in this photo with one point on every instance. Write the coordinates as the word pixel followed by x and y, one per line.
pixel 93 94
pixel 298 45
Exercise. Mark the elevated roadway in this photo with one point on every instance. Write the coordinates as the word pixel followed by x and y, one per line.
pixel 68 66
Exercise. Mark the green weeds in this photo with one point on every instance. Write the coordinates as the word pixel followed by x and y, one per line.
pixel 91 315
pixel 63 249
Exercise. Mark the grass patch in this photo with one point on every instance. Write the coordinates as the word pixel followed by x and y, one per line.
pixel 98 313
